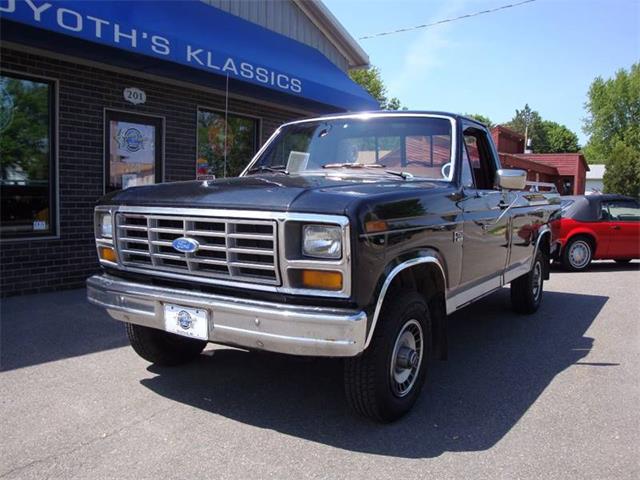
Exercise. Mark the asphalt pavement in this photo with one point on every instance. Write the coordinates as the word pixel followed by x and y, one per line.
pixel 554 395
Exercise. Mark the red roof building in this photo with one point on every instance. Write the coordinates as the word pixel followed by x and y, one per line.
pixel 507 140
pixel 568 171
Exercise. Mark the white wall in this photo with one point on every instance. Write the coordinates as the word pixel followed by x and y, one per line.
pixel 594 185
pixel 285 18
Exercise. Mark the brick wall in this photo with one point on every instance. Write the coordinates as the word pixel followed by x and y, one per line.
pixel 84 92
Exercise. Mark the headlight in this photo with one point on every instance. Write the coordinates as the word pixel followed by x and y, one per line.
pixel 322 241
pixel 105 225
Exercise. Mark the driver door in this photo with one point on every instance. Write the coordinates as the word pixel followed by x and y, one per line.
pixel 486 218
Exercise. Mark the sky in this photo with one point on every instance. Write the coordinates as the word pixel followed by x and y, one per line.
pixel 544 53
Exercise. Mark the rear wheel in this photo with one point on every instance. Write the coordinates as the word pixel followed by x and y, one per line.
pixel 526 291
pixel 577 254
pixel 163 348
pixel 385 381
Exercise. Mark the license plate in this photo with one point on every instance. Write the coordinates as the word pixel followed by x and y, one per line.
pixel 188 322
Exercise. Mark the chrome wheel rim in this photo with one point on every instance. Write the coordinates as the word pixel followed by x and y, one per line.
pixel 406 359
pixel 579 254
pixel 537 280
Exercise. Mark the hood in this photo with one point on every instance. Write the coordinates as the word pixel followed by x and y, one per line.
pixel 273 192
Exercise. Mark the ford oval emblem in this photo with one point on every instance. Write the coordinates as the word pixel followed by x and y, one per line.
pixel 185 245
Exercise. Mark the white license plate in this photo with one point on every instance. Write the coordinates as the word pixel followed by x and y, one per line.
pixel 189 322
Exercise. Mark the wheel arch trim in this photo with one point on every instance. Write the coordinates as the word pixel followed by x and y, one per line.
pixel 545 231
pixel 407 264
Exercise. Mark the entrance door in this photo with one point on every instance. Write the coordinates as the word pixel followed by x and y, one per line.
pixel 133 150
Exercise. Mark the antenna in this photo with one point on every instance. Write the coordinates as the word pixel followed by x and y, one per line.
pixel 226 123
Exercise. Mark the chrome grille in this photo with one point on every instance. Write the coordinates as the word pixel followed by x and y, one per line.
pixel 229 248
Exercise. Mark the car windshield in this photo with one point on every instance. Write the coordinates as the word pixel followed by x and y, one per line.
pixel 414 146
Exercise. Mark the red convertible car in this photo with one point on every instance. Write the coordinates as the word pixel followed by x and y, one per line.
pixel 597 227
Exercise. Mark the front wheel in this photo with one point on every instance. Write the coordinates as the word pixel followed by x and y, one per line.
pixel 162 348
pixel 526 291
pixel 385 381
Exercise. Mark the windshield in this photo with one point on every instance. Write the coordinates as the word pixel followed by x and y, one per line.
pixel 418 146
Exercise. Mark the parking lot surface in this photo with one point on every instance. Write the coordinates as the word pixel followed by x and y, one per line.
pixel 553 395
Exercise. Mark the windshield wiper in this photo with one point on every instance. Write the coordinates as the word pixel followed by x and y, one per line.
pixel 405 175
pixel 263 168
pixel 353 165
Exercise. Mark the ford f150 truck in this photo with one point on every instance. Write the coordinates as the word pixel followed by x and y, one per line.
pixel 348 236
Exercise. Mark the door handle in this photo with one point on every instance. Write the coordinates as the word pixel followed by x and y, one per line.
pixel 615 227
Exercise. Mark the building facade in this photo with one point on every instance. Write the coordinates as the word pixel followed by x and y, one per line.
pixel 595 179
pixel 567 171
pixel 98 96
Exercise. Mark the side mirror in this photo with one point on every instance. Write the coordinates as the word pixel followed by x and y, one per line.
pixel 511 179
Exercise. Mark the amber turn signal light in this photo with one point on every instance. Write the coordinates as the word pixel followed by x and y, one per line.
pixel 373 226
pixel 108 254
pixel 321 279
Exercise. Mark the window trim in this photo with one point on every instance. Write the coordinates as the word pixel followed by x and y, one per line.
pixel 54 164
pixel 105 135
pixel 259 121
pixel 489 148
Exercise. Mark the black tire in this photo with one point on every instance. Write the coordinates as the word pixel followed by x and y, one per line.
pixel 526 291
pixel 371 384
pixel 623 261
pixel 577 254
pixel 163 348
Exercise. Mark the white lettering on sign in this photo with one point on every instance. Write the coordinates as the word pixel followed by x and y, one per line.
pixel 160 45
pixel 72 21
pixel 88 27
pixel 99 22
pixel 134 95
pixel 37 11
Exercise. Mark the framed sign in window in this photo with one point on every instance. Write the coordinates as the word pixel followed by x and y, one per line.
pixel 133 150
pixel 27 157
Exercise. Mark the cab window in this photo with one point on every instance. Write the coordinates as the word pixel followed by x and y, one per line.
pixel 466 172
pixel 478 150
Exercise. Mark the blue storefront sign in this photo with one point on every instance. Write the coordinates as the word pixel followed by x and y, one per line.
pixel 198 36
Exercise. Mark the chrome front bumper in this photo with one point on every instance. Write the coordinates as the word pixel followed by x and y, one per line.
pixel 296 330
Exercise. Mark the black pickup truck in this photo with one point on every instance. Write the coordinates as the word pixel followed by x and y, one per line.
pixel 347 236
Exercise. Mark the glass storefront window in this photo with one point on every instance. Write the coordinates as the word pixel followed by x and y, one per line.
pixel 241 143
pixel 27 186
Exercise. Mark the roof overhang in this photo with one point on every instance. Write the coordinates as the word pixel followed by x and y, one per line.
pixel 331 27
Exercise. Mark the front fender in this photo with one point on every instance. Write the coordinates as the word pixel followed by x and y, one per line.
pixel 393 269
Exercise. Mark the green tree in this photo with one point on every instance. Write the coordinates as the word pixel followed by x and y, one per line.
pixel 24 139
pixel 559 139
pixel 371 80
pixel 528 122
pixel 623 171
pixel 613 108
pixel 481 118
